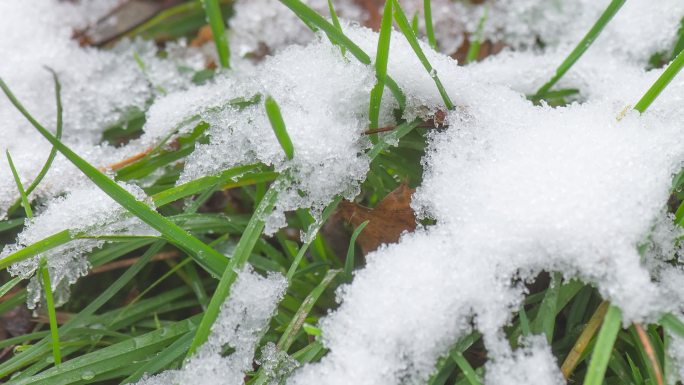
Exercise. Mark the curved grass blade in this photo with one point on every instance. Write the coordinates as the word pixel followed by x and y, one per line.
pixel 53 152
pixel 581 47
pixel 52 315
pixel 278 125
pixel 349 262
pixel 34 249
pixel 429 30
pixel 218 30
pixel 381 60
pixel 604 346
pixel 665 78
pixel 406 29
pixel 673 324
pixel 20 187
pixel 213 261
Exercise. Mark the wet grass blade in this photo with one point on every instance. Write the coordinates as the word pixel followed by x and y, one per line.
pixel 349 262
pixel 674 324
pixel 381 60
pixel 476 43
pixel 278 125
pixel 218 30
pixel 52 315
pixel 429 29
pixel 582 46
pixel 604 346
pixel 20 186
pixel 213 261
pixel 670 72
pixel 406 29
pixel 336 22
pixel 36 248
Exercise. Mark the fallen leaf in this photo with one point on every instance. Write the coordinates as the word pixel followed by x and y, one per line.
pixel 387 221
pixel 204 36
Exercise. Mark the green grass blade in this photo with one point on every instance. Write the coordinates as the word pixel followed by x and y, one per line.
pixel 336 22
pixel 546 318
pixel 9 285
pixel 34 249
pixel 670 72
pixel 414 23
pixel 405 28
pixel 20 187
pixel 604 346
pixel 349 262
pixel 312 18
pixel 278 125
pixel 476 43
pixel 52 315
pixel 213 261
pixel 673 324
pixel 162 360
pixel 429 30
pixel 582 46
pixel 240 255
pixel 466 368
pixel 381 60
pixel 218 30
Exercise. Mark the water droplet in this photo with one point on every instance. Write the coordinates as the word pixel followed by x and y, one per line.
pixel 88 375
pixel 433 72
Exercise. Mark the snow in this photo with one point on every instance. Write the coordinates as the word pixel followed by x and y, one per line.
pixel 243 319
pixel 85 211
pixel 98 88
pixel 532 364
pixel 323 100
pixel 514 188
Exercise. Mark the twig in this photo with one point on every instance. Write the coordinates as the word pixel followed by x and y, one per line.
pixel 127 161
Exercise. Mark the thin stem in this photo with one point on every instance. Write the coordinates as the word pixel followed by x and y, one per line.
pixel 670 72
pixel 52 314
pixel 218 30
pixel 573 358
pixel 650 352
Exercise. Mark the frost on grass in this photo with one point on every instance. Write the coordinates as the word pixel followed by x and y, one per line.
pixel 515 189
pixel 85 211
pixel 323 97
pixel 532 364
pixel 230 348
pixel 99 88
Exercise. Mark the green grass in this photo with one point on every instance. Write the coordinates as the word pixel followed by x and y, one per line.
pixel 150 315
pixel 218 30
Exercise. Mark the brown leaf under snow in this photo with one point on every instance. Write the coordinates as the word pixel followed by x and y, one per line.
pixel 391 217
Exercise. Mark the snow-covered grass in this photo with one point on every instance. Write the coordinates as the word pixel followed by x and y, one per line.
pixel 188 227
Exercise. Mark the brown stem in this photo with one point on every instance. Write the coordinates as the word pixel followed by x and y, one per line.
pixel 130 261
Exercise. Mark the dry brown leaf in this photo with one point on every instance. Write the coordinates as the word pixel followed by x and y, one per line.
pixel 391 217
pixel 204 36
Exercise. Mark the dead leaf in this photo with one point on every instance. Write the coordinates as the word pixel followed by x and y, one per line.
pixel 391 217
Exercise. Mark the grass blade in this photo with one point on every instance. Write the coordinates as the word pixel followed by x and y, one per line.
pixel 336 22
pixel 20 187
pixel 240 255
pixel 582 46
pixel 381 60
pixel 52 315
pixel 218 30
pixel 670 72
pixel 429 30
pixel 474 49
pixel 466 368
pixel 604 346
pixel 349 262
pixel 208 258
pixel 674 324
pixel 405 28
pixel 546 318
pixel 312 18
pixel 34 249
pixel 278 125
